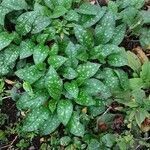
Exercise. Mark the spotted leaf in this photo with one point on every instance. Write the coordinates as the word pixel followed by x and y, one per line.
pixel 84 99
pixel 72 89
pixel 5 39
pixel 35 119
pixel 26 49
pixel 40 53
pixel 50 125
pixel 27 101
pixel 52 105
pixel 69 73
pixel 29 74
pixel 105 30
pixel 87 70
pixel 72 15
pixel 64 111
pixel 84 36
pixel 56 61
pixel 75 126
pixel 53 83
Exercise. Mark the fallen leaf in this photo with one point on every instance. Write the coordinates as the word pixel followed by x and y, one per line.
pixel 10 82
pixel 141 55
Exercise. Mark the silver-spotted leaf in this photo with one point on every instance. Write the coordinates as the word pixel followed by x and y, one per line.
pixel 72 15
pixel 27 101
pixel 5 39
pixel 84 36
pixel 56 61
pixel 53 83
pixel 69 73
pixel 30 74
pixel 50 125
pixel 26 49
pixel 35 119
pixel 52 105
pixel 75 126
pixel 105 30
pixel 84 99
pixel 64 111
pixel 87 70
pixel 72 89
pixel 40 53
pixel 14 4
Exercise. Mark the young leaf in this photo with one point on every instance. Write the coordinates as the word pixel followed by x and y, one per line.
pixel 35 119
pixel 72 88
pixel 84 36
pixel 40 53
pixel 50 124
pixel 53 83
pixel 26 49
pixel 52 105
pixel 56 61
pixel 64 111
pixel 5 39
pixel 87 70
pixel 29 74
pixel 14 4
pixel 84 99
pixel 105 30
pixel 35 100
pixel 75 126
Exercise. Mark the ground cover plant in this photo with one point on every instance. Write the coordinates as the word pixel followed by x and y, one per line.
pixel 74 74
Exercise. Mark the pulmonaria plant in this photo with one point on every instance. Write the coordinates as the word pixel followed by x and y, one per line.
pixel 64 74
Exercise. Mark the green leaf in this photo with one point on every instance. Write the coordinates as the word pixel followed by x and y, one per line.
pixel 29 74
pixel 105 30
pixel 136 83
pixel 84 36
pixel 50 125
pixel 72 15
pixel 53 83
pixel 133 62
pixel 52 105
pixel 35 119
pixel 40 24
pixel 118 59
pixel 84 99
pixel 3 12
pixel 25 22
pixel 71 50
pixel 72 88
pixel 5 39
pixel 40 53
pixel 26 49
pixel 95 87
pixel 14 4
pixel 93 145
pixel 88 9
pixel 35 100
pixel 69 73
pixel 54 49
pixel 28 88
pixel 75 126
pixel 119 34
pixel 91 20
pixel 56 61
pixel 64 141
pixel 58 12
pixel 145 73
pixel 145 16
pixel 64 111
pixel 87 70
pixel 140 116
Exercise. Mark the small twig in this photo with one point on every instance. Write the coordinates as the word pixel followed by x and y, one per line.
pixel 9 146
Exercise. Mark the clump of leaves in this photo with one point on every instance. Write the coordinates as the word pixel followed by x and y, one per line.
pixel 69 56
